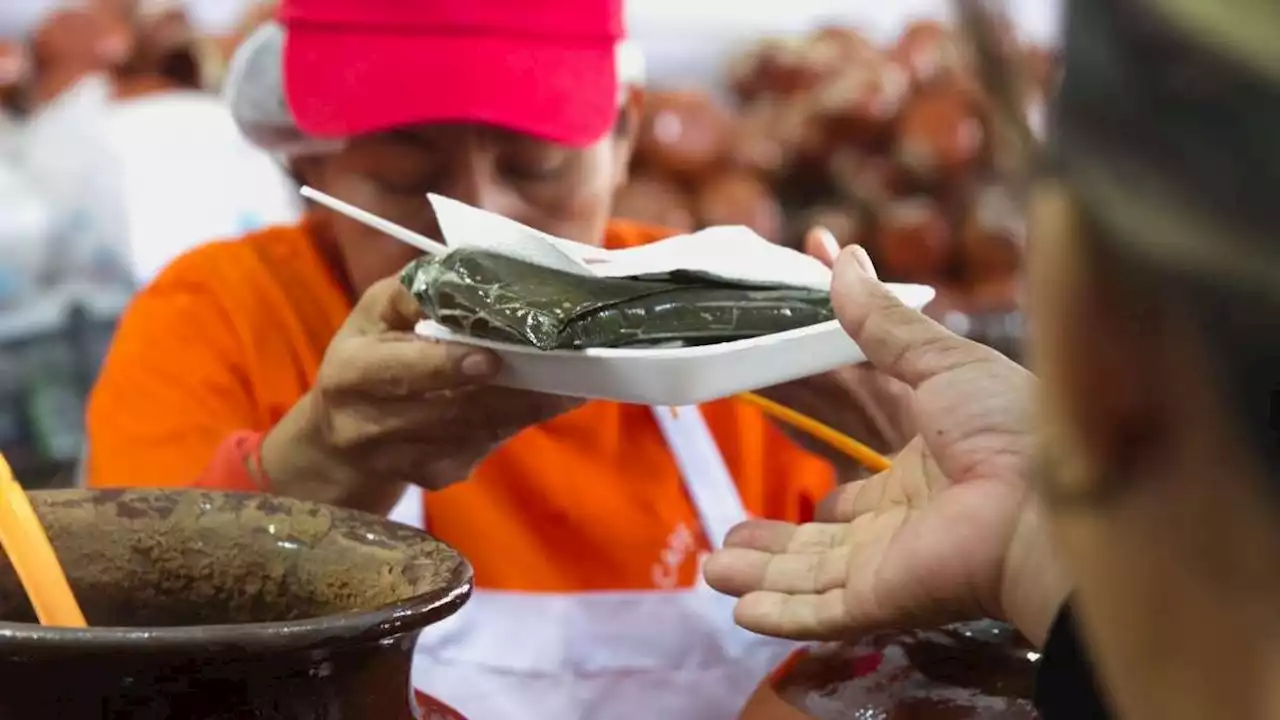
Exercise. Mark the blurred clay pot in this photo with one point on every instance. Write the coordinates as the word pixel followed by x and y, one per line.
pixel 220 605
pixel 773 67
pixel 930 51
pixel 764 138
pixel 940 136
pixel 860 102
pixel 683 134
pixel 976 671
pixel 993 237
pixel 913 241
pixel 871 180
pixel 655 201
pixel 846 224
pixel 830 50
pixel 737 198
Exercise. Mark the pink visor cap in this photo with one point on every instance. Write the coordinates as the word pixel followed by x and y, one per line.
pixel 547 68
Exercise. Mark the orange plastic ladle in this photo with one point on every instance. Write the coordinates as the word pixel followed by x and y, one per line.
pixel 31 554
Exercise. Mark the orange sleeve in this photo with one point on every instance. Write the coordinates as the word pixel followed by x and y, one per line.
pixel 172 388
pixel 623 234
pixel 230 468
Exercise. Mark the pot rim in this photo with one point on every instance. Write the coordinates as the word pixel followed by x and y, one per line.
pixel 352 627
pixel 327 631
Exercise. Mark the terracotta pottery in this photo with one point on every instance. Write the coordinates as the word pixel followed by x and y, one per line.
pixel 684 134
pixel 739 198
pixel 930 51
pixel 655 200
pixel 940 136
pixel 223 605
pixel 976 671
pixel 913 241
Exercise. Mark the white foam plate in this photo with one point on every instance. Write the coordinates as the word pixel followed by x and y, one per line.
pixel 678 376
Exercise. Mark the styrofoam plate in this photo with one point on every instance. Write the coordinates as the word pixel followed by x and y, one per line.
pixel 678 376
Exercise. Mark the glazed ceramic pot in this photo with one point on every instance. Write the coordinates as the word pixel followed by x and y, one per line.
pixel 975 671
pixel 214 605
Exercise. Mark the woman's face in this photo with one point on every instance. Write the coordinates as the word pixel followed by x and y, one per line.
pixel 564 191
pixel 1156 508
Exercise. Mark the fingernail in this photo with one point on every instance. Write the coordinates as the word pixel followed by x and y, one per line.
pixel 829 243
pixel 864 261
pixel 478 365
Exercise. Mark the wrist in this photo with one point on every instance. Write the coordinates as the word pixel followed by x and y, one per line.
pixel 1034 584
pixel 298 461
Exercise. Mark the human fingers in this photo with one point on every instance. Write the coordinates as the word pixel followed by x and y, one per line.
pixel 404 366
pixel 385 307
pixel 909 483
pixel 816 616
pixel 896 339
pixel 838 505
pixel 778 536
pixel 498 411
pixel 849 502
pixel 738 571
pixel 821 244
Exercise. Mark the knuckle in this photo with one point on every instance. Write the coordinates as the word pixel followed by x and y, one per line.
pixel 351 428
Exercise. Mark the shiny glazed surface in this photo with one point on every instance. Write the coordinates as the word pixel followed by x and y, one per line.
pixel 224 605
pixel 976 671
pixel 490 296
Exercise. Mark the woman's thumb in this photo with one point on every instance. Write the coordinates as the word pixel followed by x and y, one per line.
pixel 386 306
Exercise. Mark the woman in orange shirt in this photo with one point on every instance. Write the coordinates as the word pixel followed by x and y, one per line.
pixel 285 361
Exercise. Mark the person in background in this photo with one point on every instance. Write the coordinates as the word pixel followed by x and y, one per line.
pixel 1153 497
pixel 15 67
pixel 285 361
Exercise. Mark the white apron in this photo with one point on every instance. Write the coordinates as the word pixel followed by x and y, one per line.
pixel 628 655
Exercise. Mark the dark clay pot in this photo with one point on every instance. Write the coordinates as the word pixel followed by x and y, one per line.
pixel 214 605
pixel 974 671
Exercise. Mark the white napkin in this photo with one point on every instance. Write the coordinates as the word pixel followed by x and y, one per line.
pixel 732 252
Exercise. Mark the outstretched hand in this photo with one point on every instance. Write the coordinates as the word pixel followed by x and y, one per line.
pixel 949 533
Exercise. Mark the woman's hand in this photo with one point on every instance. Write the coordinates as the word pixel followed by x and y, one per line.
pixel 949 533
pixel 390 408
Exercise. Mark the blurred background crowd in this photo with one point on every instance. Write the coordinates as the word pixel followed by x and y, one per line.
pixel 116 155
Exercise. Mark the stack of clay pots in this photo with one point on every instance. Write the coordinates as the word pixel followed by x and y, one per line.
pixel 887 147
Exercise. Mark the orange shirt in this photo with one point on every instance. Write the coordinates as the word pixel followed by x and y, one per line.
pixel 589 501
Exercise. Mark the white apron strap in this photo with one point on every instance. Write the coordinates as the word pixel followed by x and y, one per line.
pixel 711 487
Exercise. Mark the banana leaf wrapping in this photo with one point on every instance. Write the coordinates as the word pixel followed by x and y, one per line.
pixel 490 296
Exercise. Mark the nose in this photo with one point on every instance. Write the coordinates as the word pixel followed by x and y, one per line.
pixel 474 184
pixel 470 183
pixel 474 178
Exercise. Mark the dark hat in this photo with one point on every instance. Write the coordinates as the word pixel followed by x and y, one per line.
pixel 1167 127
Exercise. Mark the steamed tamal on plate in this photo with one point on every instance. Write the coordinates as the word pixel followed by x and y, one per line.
pixel 494 297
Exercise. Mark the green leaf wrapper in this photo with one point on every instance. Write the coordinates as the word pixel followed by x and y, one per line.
pixel 494 297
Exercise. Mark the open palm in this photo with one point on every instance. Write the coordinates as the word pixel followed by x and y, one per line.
pixel 925 542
